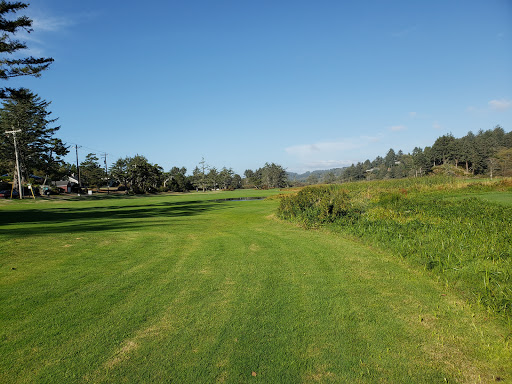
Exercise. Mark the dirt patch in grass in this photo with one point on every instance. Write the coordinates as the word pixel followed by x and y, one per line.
pixel 322 374
pixel 122 354
pixel 254 248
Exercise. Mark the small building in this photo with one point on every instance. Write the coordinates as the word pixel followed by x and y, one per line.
pixel 66 186
pixel 63 185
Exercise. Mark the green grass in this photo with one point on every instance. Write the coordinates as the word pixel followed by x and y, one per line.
pixel 503 198
pixel 183 289
pixel 460 231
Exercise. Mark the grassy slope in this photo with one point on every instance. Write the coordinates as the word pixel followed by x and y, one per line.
pixel 180 289
pixel 460 230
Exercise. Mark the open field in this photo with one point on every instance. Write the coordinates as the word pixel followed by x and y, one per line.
pixel 185 289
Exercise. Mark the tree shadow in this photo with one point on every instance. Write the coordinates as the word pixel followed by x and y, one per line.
pixel 99 218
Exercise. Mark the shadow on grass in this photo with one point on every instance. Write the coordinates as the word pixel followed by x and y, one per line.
pixel 112 217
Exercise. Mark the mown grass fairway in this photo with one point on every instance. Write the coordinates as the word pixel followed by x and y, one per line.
pixel 183 289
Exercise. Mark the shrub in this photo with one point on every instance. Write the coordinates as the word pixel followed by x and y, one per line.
pixel 316 205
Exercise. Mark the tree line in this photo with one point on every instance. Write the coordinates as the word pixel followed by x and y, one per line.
pixel 40 155
pixel 486 153
pixel 138 175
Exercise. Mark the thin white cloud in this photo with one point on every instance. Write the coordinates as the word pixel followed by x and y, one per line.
pixel 398 128
pixel 436 125
pixel 326 146
pixel 41 26
pixel 500 105
pixel 328 164
pixel 413 114
pixel 320 164
pixel 45 24
pixel 371 139
pixel 51 24
pixel 331 154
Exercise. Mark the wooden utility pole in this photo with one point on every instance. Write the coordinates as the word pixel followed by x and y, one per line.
pixel 18 172
pixel 106 173
pixel 77 168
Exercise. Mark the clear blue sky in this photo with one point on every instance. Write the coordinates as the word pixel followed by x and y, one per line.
pixel 305 84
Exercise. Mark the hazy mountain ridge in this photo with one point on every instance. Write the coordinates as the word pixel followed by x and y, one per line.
pixel 293 176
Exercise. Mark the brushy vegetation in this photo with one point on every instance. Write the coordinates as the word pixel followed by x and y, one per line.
pixel 444 224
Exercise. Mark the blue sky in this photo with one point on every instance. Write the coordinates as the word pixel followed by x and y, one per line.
pixel 305 84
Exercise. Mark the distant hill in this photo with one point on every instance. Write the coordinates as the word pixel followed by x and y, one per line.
pixel 292 176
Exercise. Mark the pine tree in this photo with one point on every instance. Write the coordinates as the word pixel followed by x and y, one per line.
pixel 443 149
pixel 119 171
pixel 10 66
pixel 91 172
pixel 39 150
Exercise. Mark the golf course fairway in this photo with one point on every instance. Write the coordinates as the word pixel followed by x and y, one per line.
pixel 190 289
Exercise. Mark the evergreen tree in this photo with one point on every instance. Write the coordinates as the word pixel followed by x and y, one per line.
pixel 354 173
pixel 312 179
pixel 465 149
pixel 212 178
pixel 443 149
pixel 176 179
pixel 419 161
pixel 499 136
pixel 504 157
pixel 237 181
pixel 91 172
pixel 10 65
pixel 378 162
pixel 429 158
pixel 119 171
pixel 38 148
pixel 359 172
pixel 273 176
pixel 390 158
pixel 199 175
pixel 507 140
pixel 479 153
pixel 144 177
pixel 329 177
pixel 253 179
pixel 226 177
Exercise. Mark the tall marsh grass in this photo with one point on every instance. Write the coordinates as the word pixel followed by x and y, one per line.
pixel 439 223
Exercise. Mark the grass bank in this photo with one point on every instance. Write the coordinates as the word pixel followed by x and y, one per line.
pixel 185 289
pixel 460 230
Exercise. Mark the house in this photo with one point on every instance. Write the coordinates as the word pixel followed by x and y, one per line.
pixel 66 186
pixel 63 185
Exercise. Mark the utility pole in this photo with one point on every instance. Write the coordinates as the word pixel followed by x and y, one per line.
pixel 77 167
pixel 106 172
pixel 20 190
pixel 203 175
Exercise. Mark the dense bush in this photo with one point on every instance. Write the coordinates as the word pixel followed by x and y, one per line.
pixel 313 206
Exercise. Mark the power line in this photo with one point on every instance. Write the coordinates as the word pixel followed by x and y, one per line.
pixel 97 151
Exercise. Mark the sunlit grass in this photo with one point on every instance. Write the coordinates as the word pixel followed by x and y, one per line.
pixel 183 289
pixel 460 230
